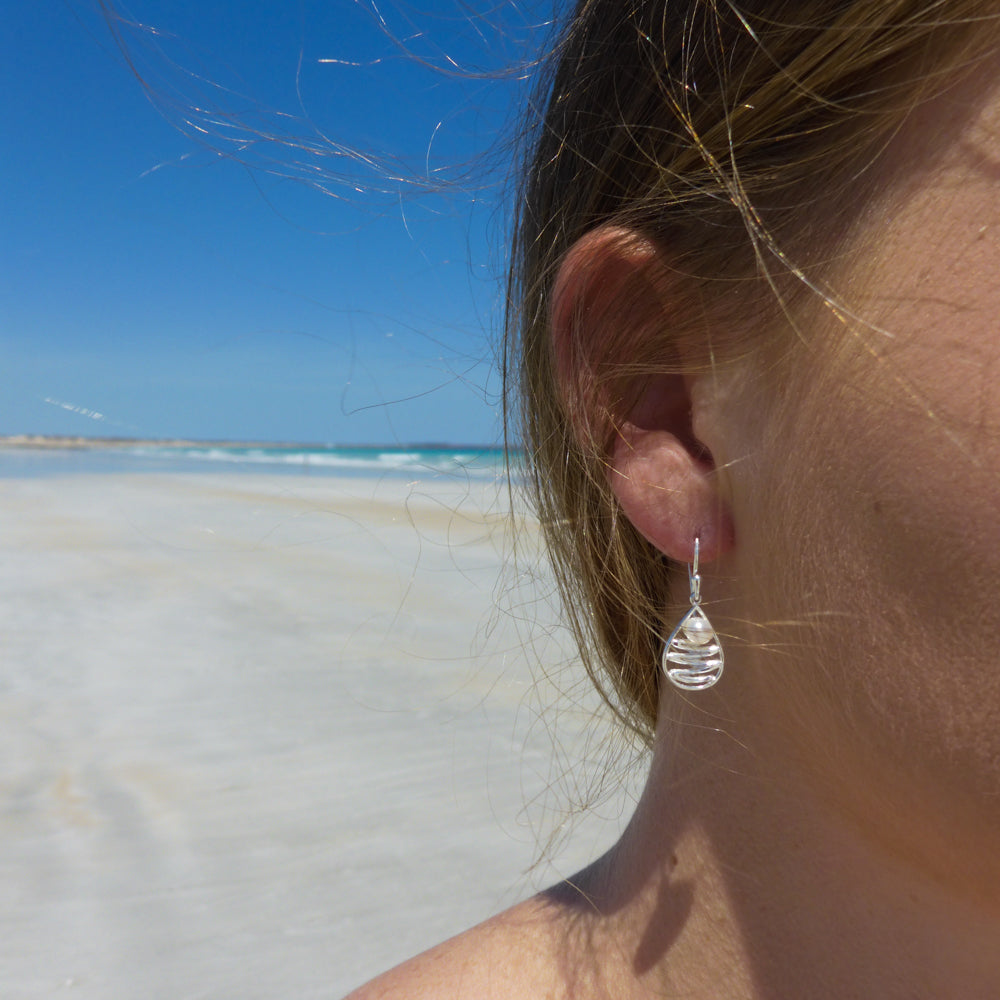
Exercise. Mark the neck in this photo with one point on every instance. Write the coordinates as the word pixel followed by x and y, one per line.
pixel 737 878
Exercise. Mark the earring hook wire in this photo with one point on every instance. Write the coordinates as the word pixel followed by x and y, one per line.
pixel 694 577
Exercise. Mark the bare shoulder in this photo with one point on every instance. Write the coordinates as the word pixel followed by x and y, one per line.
pixel 513 955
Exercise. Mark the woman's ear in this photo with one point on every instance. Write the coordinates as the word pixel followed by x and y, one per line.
pixel 623 384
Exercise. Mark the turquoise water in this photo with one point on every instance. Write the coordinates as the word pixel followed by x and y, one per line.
pixel 410 462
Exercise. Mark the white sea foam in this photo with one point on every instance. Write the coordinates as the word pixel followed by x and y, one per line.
pixel 487 463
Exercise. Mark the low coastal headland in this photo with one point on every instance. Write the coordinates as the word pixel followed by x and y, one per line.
pixel 62 441
pixel 69 441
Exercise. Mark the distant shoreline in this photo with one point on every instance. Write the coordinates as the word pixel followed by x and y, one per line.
pixel 66 442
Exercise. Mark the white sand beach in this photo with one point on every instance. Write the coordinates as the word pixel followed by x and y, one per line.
pixel 265 736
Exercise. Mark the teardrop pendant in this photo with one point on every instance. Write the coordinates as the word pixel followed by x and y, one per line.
pixel 692 657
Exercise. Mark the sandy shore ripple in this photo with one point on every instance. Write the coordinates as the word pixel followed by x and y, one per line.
pixel 263 736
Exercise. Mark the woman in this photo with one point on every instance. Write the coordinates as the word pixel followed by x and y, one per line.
pixel 756 324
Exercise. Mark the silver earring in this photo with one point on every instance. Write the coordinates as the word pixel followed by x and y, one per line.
pixel 692 657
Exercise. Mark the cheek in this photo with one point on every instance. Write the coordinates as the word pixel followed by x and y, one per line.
pixel 877 562
pixel 867 508
pixel 926 436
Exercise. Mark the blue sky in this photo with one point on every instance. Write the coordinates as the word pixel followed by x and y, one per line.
pixel 157 282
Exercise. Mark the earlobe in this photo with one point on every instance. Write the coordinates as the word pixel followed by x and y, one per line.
pixel 624 389
pixel 669 493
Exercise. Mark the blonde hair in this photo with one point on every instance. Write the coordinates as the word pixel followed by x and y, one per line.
pixel 729 133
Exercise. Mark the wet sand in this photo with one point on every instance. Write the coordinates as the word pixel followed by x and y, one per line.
pixel 264 736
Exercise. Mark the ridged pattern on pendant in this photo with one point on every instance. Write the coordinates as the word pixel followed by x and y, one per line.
pixel 692 657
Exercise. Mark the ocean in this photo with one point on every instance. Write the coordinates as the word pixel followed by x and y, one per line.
pixel 411 462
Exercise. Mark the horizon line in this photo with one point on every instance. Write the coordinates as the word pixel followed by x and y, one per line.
pixel 114 441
